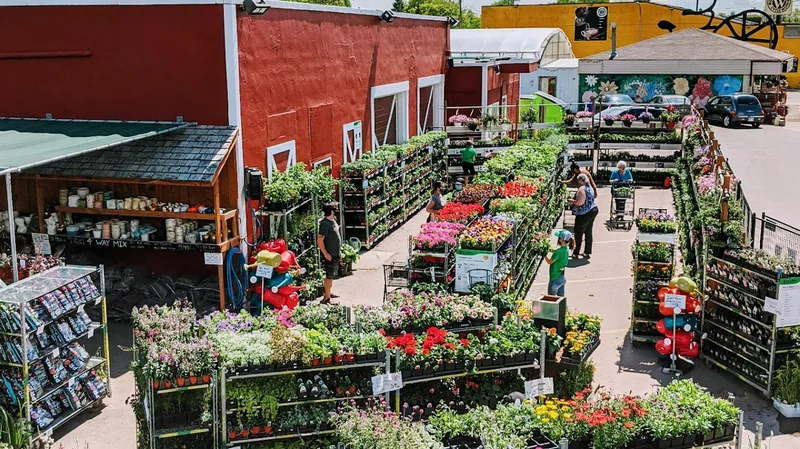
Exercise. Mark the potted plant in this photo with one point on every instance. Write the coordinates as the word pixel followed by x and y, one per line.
pixel 569 120
pixel 458 120
pixel 488 120
pixel 787 389
pixel 505 124
pixel 610 119
pixel 529 118
pixel 473 124
pixel 646 117
pixel 670 117
pixel 628 119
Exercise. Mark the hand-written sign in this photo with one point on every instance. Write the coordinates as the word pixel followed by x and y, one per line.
pixel 264 271
pixel 385 383
pixel 675 301
pixel 212 258
pixel 539 387
pixel 41 243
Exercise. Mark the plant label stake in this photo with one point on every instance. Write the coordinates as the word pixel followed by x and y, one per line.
pixel 673 369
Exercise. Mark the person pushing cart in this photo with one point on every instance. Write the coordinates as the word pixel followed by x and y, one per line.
pixel 623 193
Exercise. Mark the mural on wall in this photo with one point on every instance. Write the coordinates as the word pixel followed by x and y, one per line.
pixel 642 88
pixel 591 23
pixel 742 26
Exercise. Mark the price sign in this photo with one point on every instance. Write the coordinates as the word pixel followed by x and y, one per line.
pixel 264 271
pixel 71 382
pixel 538 387
pixel 55 353
pixel 364 184
pixel 213 258
pixel 90 334
pixel 385 383
pixel 48 433
pixel 97 301
pixel 41 243
pixel 675 301
pixel 771 305
pixel 80 308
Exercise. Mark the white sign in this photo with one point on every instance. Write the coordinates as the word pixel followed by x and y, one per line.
pixel 97 301
pixel 71 382
pixel 264 271
pixel 213 258
pixel 538 387
pixel 90 334
pixel 385 383
pixel 789 303
pixel 675 301
pixel 55 353
pixel 41 243
pixel 771 305
pixel 480 263
pixel 778 7
pixel 40 330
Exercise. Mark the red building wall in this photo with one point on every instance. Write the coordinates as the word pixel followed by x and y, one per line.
pixel 504 84
pixel 114 62
pixel 463 88
pixel 304 74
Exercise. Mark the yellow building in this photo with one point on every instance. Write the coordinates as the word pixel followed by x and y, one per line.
pixel 588 25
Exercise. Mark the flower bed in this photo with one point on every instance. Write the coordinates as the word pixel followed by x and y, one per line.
pixel 475 194
pixel 582 337
pixel 524 188
pixel 437 236
pixel 486 233
pixel 455 212
pixel 653 252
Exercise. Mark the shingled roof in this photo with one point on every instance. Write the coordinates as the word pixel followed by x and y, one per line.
pixel 693 44
pixel 190 154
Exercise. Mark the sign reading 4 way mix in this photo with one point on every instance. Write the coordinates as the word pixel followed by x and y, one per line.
pixel 778 7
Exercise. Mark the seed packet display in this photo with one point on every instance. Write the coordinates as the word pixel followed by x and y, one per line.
pixel 51 302
pixel 77 351
pixel 41 416
pixel 95 387
pixel 88 289
pixel 83 316
pixel 72 361
pixel 76 395
pixel 55 369
pixel 64 299
pixel 78 326
pixel 9 391
pixel 52 405
pixel 43 338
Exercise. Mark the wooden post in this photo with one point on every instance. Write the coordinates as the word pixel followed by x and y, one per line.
pixel 711 135
pixel 217 227
pixel 726 182
pixel 40 205
pixel 723 216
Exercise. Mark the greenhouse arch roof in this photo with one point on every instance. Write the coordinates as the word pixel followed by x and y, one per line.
pixel 540 45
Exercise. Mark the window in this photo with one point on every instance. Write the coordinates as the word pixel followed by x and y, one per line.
pixel 548 84
pixel 280 157
pixel 714 101
pixel 504 106
pixel 725 101
pixel 352 142
pixel 389 114
pixel 747 100
pixel 326 161
pixel 430 103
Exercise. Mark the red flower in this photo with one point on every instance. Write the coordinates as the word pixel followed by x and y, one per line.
pixel 628 425
pixel 382 332
pixel 410 350
pixel 464 342
pixel 449 346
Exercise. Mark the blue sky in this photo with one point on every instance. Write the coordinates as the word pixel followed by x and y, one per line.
pixel 475 5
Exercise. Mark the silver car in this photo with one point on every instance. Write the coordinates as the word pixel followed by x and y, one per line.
pixel 679 102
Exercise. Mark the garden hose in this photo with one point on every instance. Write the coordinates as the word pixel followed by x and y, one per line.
pixel 235 278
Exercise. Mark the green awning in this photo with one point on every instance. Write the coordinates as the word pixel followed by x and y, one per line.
pixel 26 143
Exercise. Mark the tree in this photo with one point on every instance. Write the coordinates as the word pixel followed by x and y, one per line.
pixel 324 2
pixel 503 3
pixel 399 6
pixel 445 8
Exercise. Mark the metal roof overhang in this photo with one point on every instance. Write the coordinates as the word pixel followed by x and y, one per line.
pixel 26 143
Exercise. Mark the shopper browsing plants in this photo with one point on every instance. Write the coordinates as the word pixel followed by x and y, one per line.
pixel 558 263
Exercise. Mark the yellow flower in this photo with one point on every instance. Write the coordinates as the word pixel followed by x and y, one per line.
pixel 553 415
pixel 567 416
pixel 545 420
pixel 564 408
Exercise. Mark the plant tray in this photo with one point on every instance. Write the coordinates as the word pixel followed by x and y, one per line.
pixel 787 410
pixel 579 359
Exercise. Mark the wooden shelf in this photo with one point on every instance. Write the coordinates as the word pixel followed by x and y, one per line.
pixel 144 213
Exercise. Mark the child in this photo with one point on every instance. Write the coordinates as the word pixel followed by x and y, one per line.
pixel 558 262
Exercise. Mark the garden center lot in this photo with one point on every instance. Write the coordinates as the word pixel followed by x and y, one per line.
pixel 601 287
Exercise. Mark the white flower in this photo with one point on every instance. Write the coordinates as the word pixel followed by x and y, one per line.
pixel 680 86
pixel 493 341
pixel 591 80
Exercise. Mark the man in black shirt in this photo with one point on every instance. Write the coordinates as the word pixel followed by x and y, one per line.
pixel 329 244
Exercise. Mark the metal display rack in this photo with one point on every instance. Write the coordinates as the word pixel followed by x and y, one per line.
pixel 156 435
pixel 743 338
pixel 228 376
pixel 278 226
pixel 372 211
pixel 441 263
pixel 650 287
pixel 72 287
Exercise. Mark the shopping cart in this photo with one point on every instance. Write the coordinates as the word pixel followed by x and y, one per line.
pixel 569 218
pixel 395 277
pixel 623 205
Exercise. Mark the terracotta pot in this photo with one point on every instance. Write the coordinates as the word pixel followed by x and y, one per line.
pixel 338 358
pixel 351 358
pixel 327 360
pixel 671 125
pixel 232 435
pixel 255 430
pixel 166 384
pixel 181 381
pixel 156 385
pixel 315 361
pixel 267 430
pixel 193 380
pixel 206 378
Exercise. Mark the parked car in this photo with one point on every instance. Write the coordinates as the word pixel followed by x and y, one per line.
pixel 681 103
pixel 611 100
pixel 735 109
pixel 635 110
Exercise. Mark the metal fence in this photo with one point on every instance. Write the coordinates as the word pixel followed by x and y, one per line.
pixel 775 237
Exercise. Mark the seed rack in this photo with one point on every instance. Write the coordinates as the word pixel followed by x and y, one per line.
pixel 648 278
pixel 42 319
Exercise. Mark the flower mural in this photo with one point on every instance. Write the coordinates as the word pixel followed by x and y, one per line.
pixel 642 88
pixel 726 85
pixel 608 87
pixel 701 92
pixel 680 86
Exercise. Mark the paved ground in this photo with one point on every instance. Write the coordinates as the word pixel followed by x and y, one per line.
pixel 601 287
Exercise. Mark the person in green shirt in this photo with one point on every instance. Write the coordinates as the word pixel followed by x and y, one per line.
pixel 468 160
pixel 558 262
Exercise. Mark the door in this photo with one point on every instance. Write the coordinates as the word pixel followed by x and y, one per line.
pixel 724 108
pixel 711 108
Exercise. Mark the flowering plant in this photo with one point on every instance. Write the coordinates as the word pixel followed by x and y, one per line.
pixel 653 251
pixel 519 188
pixel 486 233
pixel 626 117
pixel 454 212
pixel 706 184
pixel 375 428
pixel 656 222
pixel 610 117
pixel 646 115
pixel 436 235
pixel 584 114
pixel 520 205
pixel 475 193
pixel 408 310
pixel 648 271
pixel 458 119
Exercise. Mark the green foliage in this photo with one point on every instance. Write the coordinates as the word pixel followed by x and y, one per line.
pixel 13 430
pixel 571 381
pixel 324 2
pixel 399 6
pixel 446 8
